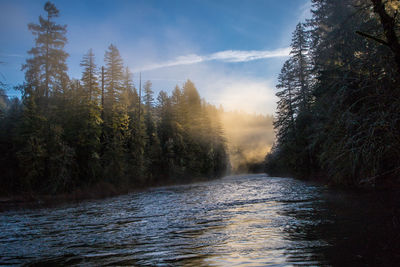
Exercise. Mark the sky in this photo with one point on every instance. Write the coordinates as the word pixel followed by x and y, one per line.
pixel 232 50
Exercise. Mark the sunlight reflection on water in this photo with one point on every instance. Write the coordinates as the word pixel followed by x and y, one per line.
pixel 248 220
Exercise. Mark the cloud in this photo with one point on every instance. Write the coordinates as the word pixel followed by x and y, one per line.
pixel 218 84
pixel 244 56
pixel 224 56
pixel 244 93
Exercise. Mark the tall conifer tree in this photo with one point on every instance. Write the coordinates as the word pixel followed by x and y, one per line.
pixel 89 77
pixel 46 69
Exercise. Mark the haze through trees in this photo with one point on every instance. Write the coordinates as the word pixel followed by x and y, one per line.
pixel 66 133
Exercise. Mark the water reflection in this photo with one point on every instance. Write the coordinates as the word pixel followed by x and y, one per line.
pixel 250 220
pixel 358 229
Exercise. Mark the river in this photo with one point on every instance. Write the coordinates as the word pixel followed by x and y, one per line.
pixel 246 220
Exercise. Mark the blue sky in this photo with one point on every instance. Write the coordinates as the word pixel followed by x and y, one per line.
pixel 232 50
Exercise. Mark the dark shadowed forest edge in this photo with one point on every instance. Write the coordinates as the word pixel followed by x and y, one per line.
pixel 101 135
pixel 338 117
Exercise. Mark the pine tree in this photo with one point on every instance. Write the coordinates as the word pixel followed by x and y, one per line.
pixel 116 119
pixel 177 106
pixel 89 77
pixel 351 70
pixel 194 122
pixel 32 147
pixel 129 95
pixel 10 121
pixel 152 149
pixel 135 138
pixel 191 105
pixel 179 135
pixel 292 120
pixel 284 123
pixel 113 76
pixel 46 69
pixel 301 66
pixel 165 132
pixel 46 82
pixel 349 119
pixel 390 24
pixel 148 112
pixel 86 130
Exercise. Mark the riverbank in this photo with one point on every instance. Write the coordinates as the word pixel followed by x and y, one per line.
pixel 104 190
pixel 100 190
pixel 33 199
pixel 387 182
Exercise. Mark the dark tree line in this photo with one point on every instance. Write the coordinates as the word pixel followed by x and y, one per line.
pixel 66 133
pixel 338 116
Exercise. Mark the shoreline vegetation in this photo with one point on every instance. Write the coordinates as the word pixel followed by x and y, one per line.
pixel 97 191
pixel 101 135
pixel 66 135
pixel 103 190
pixel 337 119
pixel 338 115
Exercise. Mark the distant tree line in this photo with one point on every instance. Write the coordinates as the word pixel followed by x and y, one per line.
pixel 66 133
pixel 338 115
pixel 249 138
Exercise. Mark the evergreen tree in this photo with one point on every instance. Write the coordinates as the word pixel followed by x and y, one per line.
pixel 129 96
pixel 353 105
pixel 89 78
pixel 286 109
pixel 32 150
pixel 135 141
pixel 387 12
pixel 152 151
pixel 60 138
pixel 87 117
pixel 165 132
pixel 116 119
pixel 178 139
pixel 46 81
pixel 191 105
pixel 46 69
pixel 301 66
pixel 113 77
pixel 10 120
pixel 292 123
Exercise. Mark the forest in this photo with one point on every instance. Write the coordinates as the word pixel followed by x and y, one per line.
pixel 338 115
pixel 67 133
pixel 98 166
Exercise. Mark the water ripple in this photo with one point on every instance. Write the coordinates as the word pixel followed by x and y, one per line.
pixel 250 220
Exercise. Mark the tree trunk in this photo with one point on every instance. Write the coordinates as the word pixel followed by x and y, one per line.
pixel 388 24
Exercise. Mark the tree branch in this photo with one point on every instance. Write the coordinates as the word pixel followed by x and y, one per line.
pixel 388 24
pixel 372 37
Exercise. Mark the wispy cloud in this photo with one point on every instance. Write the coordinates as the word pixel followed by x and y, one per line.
pixel 224 56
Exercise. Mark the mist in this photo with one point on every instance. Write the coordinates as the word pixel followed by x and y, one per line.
pixel 249 138
pixel 198 133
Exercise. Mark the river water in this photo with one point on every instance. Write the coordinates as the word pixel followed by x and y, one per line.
pixel 247 220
